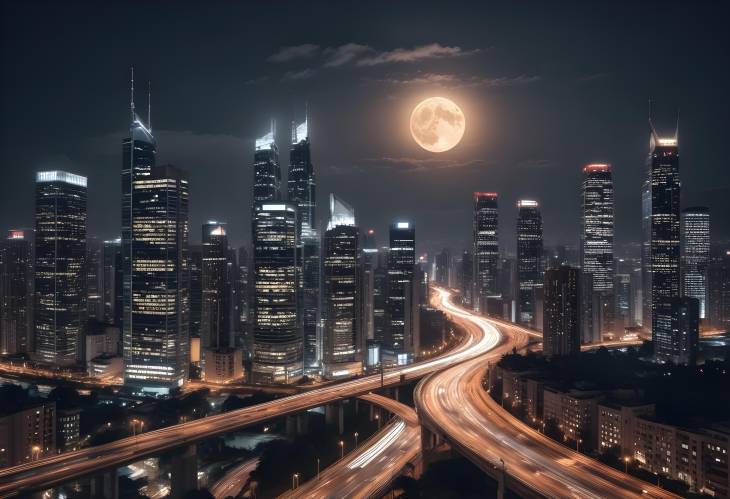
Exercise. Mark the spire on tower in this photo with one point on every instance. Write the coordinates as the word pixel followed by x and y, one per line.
pixel 676 129
pixel 149 105
pixel 131 93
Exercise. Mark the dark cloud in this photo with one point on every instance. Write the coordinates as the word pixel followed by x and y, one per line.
pixel 304 74
pixel 344 54
pixel 420 53
pixel 407 165
pixel 455 81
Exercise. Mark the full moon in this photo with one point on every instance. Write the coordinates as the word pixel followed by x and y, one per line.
pixel 437 124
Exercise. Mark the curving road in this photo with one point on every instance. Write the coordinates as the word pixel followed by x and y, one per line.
pixel 453 403
pixel 55 470
pixel 366 471
pixel 233 482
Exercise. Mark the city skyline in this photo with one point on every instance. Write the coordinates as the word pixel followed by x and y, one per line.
pixel 213 141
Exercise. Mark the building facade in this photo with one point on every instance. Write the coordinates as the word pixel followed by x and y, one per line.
pixel 677 330
pixel 561 311
pixel 16 292
pixel 529 259
pixel 399 337
pixel 60 254
pixel 486 247
pixel 695 232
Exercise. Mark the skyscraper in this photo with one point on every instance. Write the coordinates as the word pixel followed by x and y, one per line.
pixel 695 232
pixel 60 253
pixel 156 327
pixel 16 292
pixel 302 192
pixel 596 249
pixel 155 264
pixel 718 287
pixel 278 348
pixel 266 170
pixel 94 299
pixel 486 247
pixel 443 267
pixel 195 255
pixel 466 275
pixel 368 264
pixel 111 282
pixel 597 225
pixel 215 330
pixel 677 330
pixel 341 311
pixel 664 223
pixel 529 258
pixel 400 344
pixel 562 317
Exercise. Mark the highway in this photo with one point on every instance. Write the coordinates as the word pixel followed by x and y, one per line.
pixel 368 470
pixel 233 481
pixel 453 403
pixel 62 468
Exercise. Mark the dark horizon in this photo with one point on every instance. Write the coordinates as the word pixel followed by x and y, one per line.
pixel 544 90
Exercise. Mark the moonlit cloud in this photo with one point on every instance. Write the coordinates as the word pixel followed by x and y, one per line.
pixel 344 54
pixel 286 54
pixel 304 74
pixel 455 81
pixel 407 165
pixel 430 51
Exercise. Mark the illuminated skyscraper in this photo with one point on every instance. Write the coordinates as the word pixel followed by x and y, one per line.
pixel 302 192
pixel 195 256
pixel 695 230
pixel 155 264
pixel 368 263
pixel 343 343
pixel 278 346
pixel 215 319
pixel 718 291
pixel 663 228
pixel 443 268
pixel 266 170
pixel 400 342
pixel 60 253
pixel 562 317
pixel 156 327
pixel 94 303
pixel 16 292
pixel 486 247
pixel 597 225
pixel 529 259
pixel 466 277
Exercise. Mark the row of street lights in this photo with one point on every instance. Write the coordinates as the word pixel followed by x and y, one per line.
pixel 341 443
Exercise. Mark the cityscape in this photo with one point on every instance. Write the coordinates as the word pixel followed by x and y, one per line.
pixel 367 250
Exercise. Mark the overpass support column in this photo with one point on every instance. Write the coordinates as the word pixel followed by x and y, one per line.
pixel 291 425
pixel 303 423
pixel 429 439
pixel 341 418
pixel 105 485
pixel 184 471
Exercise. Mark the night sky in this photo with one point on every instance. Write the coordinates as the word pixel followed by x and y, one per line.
pixel 545 89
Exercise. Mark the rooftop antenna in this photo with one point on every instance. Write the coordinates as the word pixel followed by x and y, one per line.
pixel 131 93
pixel 652 130
pixel 149 106
pixel 676 129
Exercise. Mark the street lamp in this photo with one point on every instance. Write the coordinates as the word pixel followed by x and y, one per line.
pixel 577 442
pixel 626 465
pixel 356 435
pixel 294 481
pixel 342 449
pixel 317 469
pixel 36 450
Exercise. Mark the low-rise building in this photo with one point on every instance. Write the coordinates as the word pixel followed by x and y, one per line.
pixel 28 435
pixel 616 425
pixel 575 412
pixel 105 365
pixel 68 429
pixel 221 365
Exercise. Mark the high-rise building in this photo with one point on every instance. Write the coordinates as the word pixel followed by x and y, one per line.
pixel 663 229
pixel 16 292
pixel 486 247
pixel 380 304
pixel 677 330
pixel 597 225
pixel 302 192
pixel 596 249
pixel 695 232
pixel 195 255
pixel 443 268
pixel 466 278
pixel 400 342
pixel 28 434
pixel 529 259
pixel 718 287
pixel 343 345
pixel 215 330
pixel 156 327
pixel 278 346
pixel 242 317
pixel 60 253
pixel 112 293
pixel 266 170
pixel 562 317
pixel 94 303
pixel 368 264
